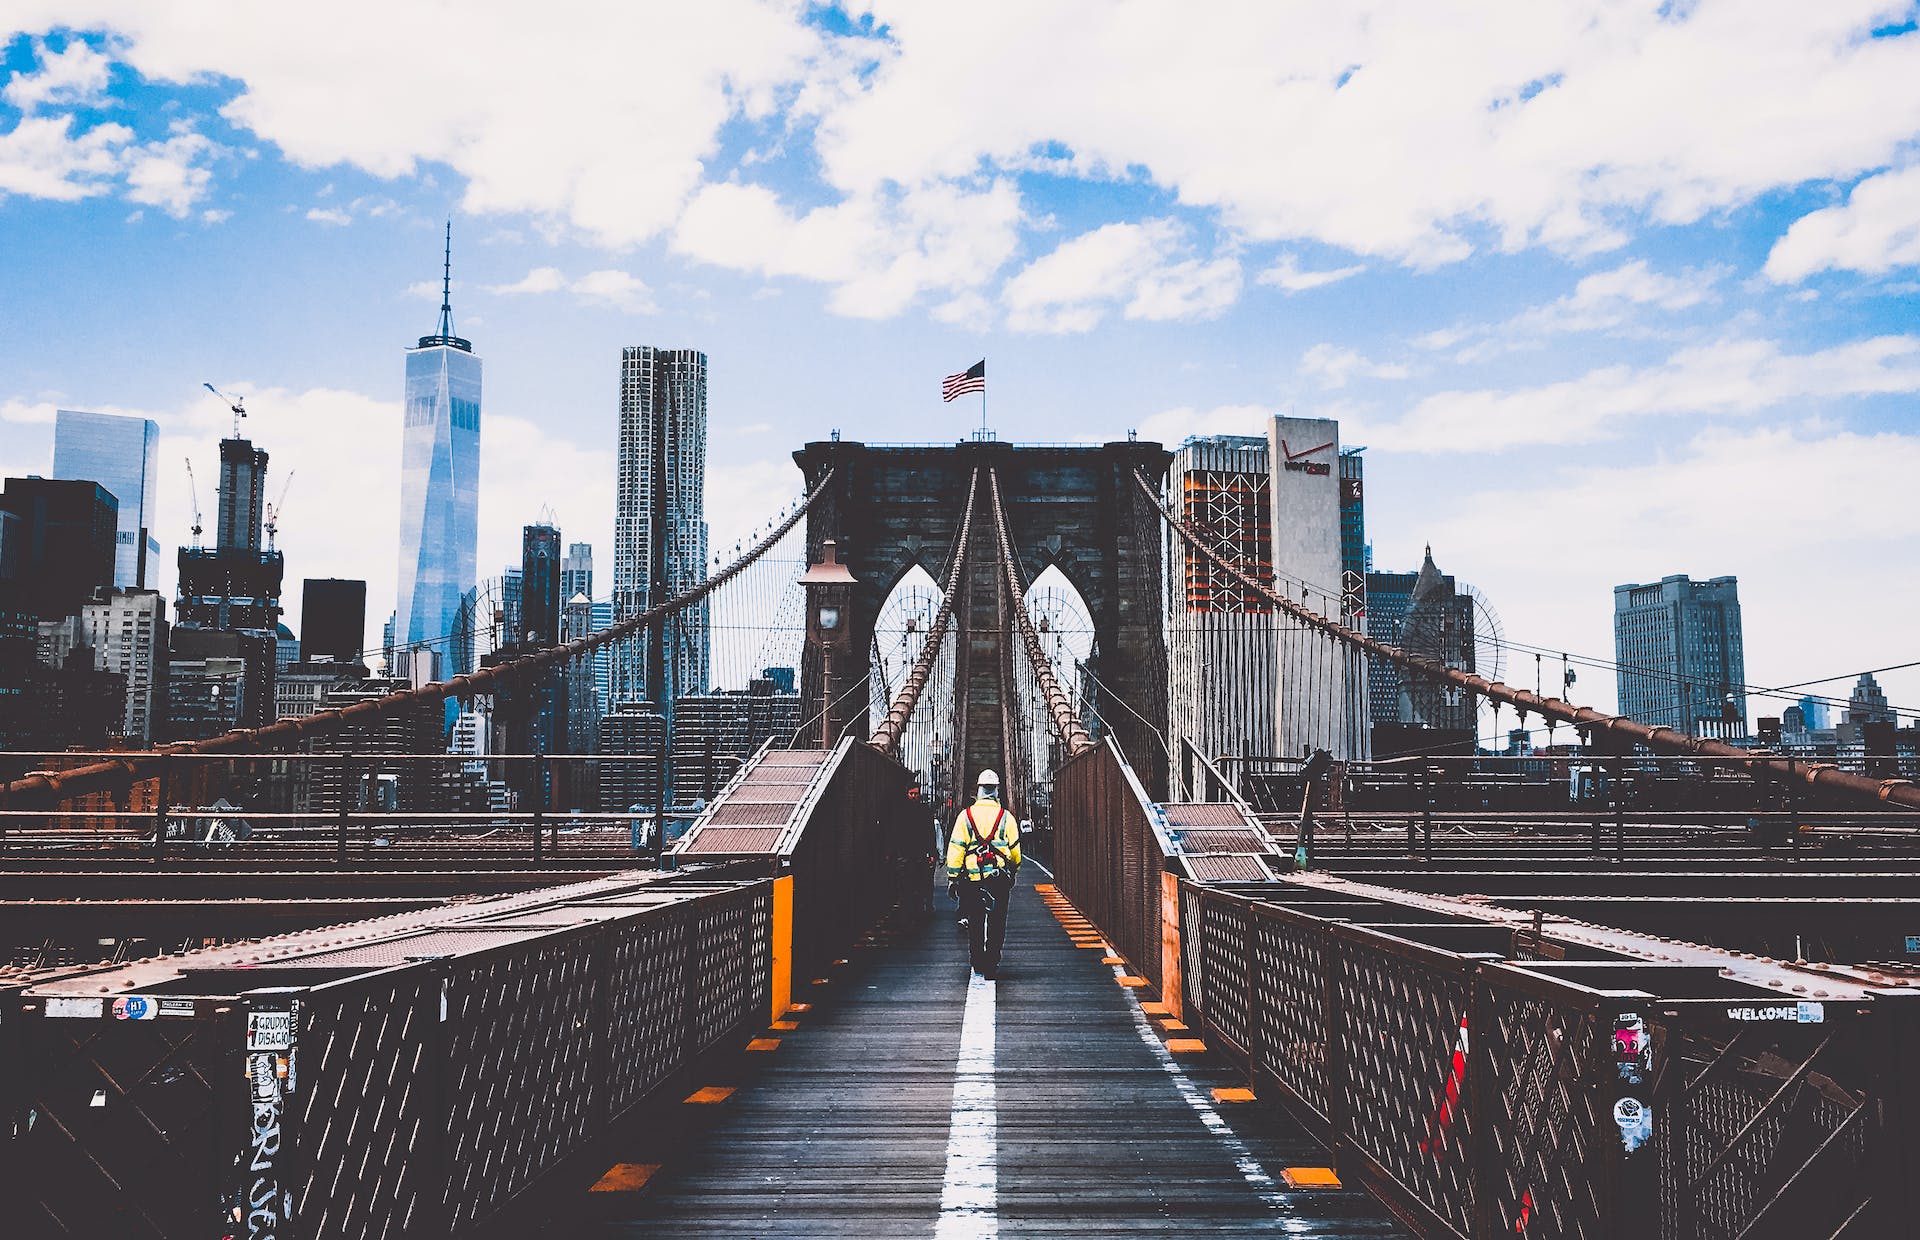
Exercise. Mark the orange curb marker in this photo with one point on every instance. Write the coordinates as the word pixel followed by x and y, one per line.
pixel 799 1009
pixel 1311 1177
pixel 625 1178
pixel 1173 1026
pixel 1112 960
pixel 1133 981
pixel 1154 1009
pixel 764 1044
pixel 1044 887
pixel 1233 1093
pixel 821 981
pixel 785 1026
pixel 707 1095
pixel 1186 1046
pixel 838 964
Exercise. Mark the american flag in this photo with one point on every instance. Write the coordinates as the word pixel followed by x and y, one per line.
pixel 972 379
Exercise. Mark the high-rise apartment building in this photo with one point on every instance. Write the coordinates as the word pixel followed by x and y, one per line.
pixel 128 632
pixel 1322 690
pixel 660 527
pixel 1681 661
pixel 333 619
pixel 122 454
pixel 439 492
pixel 1223 489
pixel 1356 557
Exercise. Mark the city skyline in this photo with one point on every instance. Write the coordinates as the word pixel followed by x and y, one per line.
pixel 1715 349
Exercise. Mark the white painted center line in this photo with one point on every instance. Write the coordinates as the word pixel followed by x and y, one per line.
pixel 970 1196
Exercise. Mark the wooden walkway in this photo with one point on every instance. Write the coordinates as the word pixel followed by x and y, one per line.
pixel 865 1118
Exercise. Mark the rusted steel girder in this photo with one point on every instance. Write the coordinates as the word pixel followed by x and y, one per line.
pixel 894 726
pixel 1900 792
pixel 42 787
pixel 1065 720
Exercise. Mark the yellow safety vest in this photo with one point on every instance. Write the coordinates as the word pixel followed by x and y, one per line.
pixel 985 841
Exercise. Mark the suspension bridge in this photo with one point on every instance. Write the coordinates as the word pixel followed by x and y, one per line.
pixel 1678 1010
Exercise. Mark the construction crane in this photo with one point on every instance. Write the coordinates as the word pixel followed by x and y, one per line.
pixel 234 403
pixel 275 509
pixel 193 494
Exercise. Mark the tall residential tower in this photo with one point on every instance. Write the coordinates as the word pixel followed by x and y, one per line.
pixel 660 521
pixel 1682 663
pixel 439 493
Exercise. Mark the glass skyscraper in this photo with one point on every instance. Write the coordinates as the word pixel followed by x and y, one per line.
pixel 660 521
pixel 121 454
pixel 439 494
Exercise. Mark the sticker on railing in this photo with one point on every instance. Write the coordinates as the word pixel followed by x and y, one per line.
pixel 1799 1013
pixel 1635 1120
pixel 68 1005
pixel 1632 1049
pixel 269 1031
pixel 135 1007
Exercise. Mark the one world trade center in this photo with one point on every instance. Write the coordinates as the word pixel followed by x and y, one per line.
pixel 439 500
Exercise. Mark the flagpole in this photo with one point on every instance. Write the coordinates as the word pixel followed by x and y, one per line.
pixel 983 399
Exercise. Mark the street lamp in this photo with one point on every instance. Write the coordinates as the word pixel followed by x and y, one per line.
pixel 829 594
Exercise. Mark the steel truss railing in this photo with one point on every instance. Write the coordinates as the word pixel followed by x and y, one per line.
pixel 1066 720
pixel 887 736
pixel 45 786
pixel 1621 731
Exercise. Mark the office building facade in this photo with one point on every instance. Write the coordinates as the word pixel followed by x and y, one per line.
pixel 576 571
pixel 439 494
pixel 1681 660
pixel 1322 685
pixel 333 619
pixel 660 527
pixel 67 532
pixel 122 454
pixel 539 587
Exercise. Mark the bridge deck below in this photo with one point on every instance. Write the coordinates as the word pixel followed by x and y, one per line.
pixel 853 1126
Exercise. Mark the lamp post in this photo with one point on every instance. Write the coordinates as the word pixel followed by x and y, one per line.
pixel 829 627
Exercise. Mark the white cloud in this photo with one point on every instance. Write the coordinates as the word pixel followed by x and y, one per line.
pixel 1729 378
pixel 43 158
pixel 1143 267
pixel 1419 133
pixel 329 215
pixel 74 76
pixel 1175 426
pixel 617 289
pixel 1333 365
pixel 1877 230
pixel 880 251
pixel 539 280
pixel 1616 300
pixel 216 215
pixel 168 175
pixel 1286 274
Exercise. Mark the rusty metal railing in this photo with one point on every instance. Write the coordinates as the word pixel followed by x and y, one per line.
pixel 1109 855
pixel 1488 1079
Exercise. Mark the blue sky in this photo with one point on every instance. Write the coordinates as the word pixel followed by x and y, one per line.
pixel 1609 290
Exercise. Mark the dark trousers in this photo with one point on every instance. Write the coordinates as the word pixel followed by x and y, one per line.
pixel 984 904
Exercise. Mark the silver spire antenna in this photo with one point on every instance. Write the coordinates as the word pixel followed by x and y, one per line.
pixel 446 286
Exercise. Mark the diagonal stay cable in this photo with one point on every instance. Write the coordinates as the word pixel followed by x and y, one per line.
pixel 1065 719
pixel 894 726
pixel 1900 792
pixel 115 772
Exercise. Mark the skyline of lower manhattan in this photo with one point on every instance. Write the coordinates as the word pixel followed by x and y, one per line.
pixel 1716 352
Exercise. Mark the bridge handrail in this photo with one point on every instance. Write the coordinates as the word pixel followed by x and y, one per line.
pixel 48 785
pixel 1887 791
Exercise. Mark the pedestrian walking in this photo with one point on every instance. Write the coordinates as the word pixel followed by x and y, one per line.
pixel 983 861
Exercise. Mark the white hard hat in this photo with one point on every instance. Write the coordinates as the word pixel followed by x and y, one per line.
pixel 989 779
